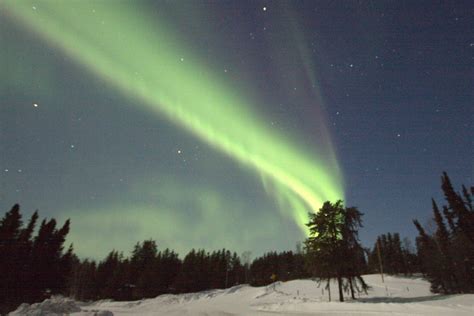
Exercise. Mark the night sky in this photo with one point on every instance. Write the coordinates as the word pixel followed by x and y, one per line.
pixel 211 124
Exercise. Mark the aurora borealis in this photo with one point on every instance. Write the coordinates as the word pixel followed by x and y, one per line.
pixel 195 124
pixel 167 84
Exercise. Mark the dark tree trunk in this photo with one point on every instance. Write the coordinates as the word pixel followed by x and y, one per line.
pixel 352 288
pixel 329 289
pixel 339 284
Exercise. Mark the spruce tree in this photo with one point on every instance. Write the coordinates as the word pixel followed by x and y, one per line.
pixel 10 229
pixel 448 255
pixel 143 263
pixel 459 207
pixel 333 245
pixel 31 267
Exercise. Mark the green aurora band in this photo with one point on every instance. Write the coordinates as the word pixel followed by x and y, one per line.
pixel 141 57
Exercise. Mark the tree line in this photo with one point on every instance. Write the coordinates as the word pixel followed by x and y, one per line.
pixel 33 267
pixel 391 255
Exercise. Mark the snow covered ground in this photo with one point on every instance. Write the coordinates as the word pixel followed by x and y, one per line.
pixel 397 296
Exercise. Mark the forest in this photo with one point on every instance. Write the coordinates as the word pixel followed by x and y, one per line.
pixel 35 263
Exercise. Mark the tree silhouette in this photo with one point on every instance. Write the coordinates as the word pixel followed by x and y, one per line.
pixel 333 247
pixel 31 266
pixel 447 256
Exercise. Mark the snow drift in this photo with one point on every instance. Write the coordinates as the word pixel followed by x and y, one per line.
pixel 396 296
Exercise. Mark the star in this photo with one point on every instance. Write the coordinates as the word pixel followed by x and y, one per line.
pixel 179 151
pixel 264 8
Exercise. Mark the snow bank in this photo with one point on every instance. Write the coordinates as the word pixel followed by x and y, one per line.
pixel 56 305
pixel 395 296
